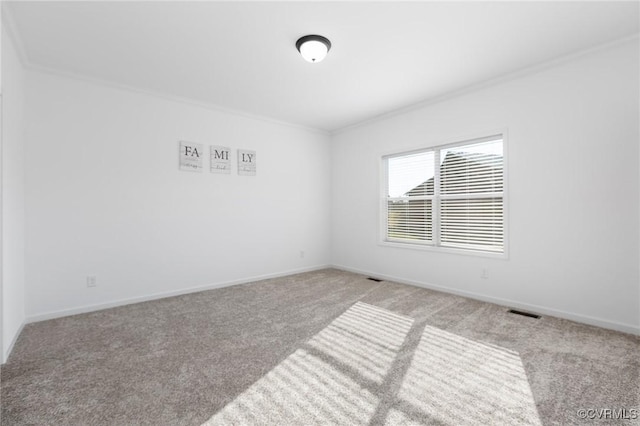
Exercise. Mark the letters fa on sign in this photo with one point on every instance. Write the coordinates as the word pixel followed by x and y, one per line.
pixel 220 160
pixel 191 156
pixel 246 162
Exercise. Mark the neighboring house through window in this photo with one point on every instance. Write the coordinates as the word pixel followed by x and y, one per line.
pixel 450 196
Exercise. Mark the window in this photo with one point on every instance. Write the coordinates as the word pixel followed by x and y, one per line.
pixel 449 196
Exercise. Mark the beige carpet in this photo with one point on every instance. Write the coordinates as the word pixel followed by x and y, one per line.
pixel 325 347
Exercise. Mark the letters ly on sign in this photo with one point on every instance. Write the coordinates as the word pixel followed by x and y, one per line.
pixel 220 160
pixel 246 162
pixel 191 156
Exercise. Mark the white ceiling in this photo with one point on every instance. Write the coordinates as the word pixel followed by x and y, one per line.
pixel 241 55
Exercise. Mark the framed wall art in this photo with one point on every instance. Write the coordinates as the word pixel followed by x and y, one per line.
pixel 246 162
pixel 190 156
pixel 220 159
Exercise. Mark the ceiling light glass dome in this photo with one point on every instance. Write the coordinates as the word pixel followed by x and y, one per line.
pixel 313 48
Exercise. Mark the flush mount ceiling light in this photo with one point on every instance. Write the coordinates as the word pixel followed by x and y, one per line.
pixel 313 48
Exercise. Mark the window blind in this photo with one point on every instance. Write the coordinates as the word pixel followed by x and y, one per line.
pixel 448 196
pixel 410 190
pixel 471 196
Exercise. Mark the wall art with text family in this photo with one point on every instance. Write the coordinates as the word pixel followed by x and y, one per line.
pixel 192 157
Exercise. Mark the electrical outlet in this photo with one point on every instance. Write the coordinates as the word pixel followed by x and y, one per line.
pixel 301 254
pixel 92 281
pixel 485 274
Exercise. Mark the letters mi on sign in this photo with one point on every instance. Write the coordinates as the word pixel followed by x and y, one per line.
pixel 220 161
pixel 246 162
pixel 191 156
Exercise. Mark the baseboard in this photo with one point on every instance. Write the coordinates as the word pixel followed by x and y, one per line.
pixel 5 355
pixel 598 322
pixel 121 302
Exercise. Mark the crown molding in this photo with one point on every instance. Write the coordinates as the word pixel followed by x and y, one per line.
pixel 530 70
pixel 10 27
pixel 168 97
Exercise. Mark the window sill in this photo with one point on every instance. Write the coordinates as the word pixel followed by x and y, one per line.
pixel 446 250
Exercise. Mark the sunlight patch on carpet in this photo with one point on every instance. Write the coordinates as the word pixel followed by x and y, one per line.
pixel 330 381
pixel 346 373
pixel 458 381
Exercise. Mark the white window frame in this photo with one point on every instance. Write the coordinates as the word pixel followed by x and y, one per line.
pixel 382 235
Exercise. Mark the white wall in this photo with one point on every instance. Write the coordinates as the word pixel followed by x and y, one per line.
pixel 3 354
pixel 573 132
pixel 104 197
pixel 13 196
